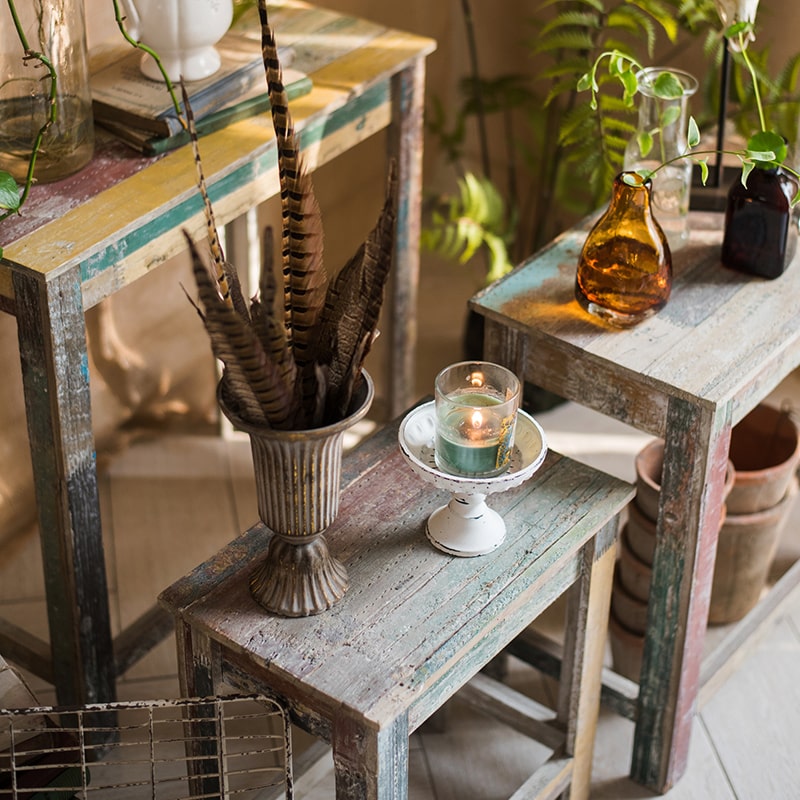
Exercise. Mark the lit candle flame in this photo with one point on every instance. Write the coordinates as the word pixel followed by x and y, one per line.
pixel 477 419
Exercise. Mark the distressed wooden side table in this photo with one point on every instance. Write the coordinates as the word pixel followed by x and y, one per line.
pixel 416 624
pixel 721 344
pixel 82 239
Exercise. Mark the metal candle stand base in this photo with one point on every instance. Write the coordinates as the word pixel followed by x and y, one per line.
pixel 466 526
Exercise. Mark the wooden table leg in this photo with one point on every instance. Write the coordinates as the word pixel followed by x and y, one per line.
pixel 405 144
pixel 369 764
pixel 55 375
pixel 695 459
pixel 589 600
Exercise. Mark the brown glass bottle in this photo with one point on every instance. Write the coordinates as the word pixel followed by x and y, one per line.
pixel 760 234
pixel 625 268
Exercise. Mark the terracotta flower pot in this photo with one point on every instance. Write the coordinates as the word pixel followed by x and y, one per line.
pixel 765 451
pixel 627 648
pixel 629 610
pixel 746 549
pixel 649 463
pixel 634 574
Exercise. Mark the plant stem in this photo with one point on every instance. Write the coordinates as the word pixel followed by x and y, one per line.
pixel 756 92
pixel 149 50
pixel 51 117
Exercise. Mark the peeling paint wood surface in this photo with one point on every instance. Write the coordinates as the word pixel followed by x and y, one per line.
pixel 416 623
pixel 723 336
pixel 80 240
pixel 688 374
pixel 122 214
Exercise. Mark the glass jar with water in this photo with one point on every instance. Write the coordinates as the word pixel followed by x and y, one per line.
pixel 660 137
pixel 56 29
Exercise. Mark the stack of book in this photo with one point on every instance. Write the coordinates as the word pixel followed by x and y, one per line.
pixel 140 111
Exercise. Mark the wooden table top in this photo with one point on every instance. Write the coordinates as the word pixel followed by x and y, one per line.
pixel 123 213
pixel 723 336
pixel 415 622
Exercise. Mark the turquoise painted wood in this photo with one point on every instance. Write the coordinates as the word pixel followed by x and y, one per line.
pixel 83 239
pixel 416 624
pixel 721 344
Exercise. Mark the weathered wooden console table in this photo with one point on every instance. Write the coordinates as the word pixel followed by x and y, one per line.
pixel 690 373
pixel 416 624
pixel 82 239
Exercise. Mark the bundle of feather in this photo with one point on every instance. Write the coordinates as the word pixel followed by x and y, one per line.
pixel 293 364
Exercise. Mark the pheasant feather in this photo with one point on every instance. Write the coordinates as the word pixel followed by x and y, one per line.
pixel 301 237
pixel 227 277
pixel 293 362
pixel 249 375
pixel 352 306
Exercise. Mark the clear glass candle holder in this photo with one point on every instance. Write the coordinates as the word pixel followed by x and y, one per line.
pixel 476 412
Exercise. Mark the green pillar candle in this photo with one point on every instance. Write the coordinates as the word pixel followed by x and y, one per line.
pixel 476 408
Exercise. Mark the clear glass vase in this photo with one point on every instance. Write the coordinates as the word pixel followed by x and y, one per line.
pixel 625 267
pixel 661 136
pixel 56 29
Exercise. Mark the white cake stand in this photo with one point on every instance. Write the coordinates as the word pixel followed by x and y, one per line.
pixel 466 526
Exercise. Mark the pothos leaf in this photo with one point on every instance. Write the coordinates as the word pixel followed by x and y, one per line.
pixel 760 144
pixel 671 114
pixel 9 192
pixel 667 86
pixel 645 141
pixel 747 168
pixel 693 133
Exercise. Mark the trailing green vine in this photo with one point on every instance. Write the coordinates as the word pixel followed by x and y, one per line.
pixel 765 148
pixel 12 197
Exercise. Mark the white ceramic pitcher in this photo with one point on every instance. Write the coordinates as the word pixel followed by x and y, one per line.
pixel 182 32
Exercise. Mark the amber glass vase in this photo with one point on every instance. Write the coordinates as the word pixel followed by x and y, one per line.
pixel 625 267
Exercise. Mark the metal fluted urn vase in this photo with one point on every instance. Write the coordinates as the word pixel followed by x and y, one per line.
pixel 298 476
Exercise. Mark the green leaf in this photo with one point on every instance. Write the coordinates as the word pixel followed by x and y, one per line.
pixel 765 142
pixel 667 86
pixel 693 133
pixel 662 13
pixel 747 168
pixel 630 85
pixel 9 192
pixel 703 169
pixel 577 19
pixel 584 82
pixel 671 114
pixel 733 31
pixel 645 142
pixel 569 39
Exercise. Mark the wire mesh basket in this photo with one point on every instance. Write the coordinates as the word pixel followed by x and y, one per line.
pixel 231 747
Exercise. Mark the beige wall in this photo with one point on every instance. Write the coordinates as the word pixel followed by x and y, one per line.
pixel 165 329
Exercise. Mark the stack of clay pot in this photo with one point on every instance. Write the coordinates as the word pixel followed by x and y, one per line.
pixel 765 448
pixel 760 487
pixel 631 589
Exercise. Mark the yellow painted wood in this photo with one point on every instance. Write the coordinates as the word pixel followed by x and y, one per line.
pixel 94 225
